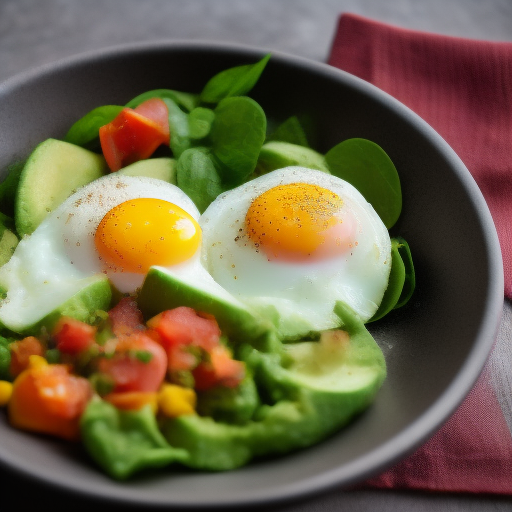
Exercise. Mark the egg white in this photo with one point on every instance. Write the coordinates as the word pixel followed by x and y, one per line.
pixel 59 258
pixel 78 218
pixel 302 295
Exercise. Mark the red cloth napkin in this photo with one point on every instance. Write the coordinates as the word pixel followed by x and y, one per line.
pixel 463 89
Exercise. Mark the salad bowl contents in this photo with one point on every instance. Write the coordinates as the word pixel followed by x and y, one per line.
pixel 215 275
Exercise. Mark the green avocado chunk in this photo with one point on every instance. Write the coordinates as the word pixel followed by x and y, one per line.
pixel 160 168
pixel 27 317
pixel 53 171
pixel 124 442
pixel 277 154
pixel 8 239
pixel 230 405
pixel 313 389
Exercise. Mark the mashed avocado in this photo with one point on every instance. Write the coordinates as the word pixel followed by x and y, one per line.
pixel 293 396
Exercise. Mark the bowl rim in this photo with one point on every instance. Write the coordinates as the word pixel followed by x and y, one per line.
pixel 408 439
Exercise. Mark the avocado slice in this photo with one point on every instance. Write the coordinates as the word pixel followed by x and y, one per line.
pixel 53 171
pixel 312 391
pixel 8 242
pixel 161 168
pixel 292 320
pixel 277 154
pixel 8 239
pixel 165 289
pixel 27 315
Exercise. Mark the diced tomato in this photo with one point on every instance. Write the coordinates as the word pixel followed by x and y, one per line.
pixel 138 364
pixel 184 326
pixel 73 336
pixel 221 370
pixel 48 399
pixel 133 135
pixel 156 110
pixel 190 337
pixel 21 352
pixel 133 400
pixel 126 317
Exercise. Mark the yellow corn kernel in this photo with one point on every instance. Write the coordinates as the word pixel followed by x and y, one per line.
pixel 36 362
pixel 175 400
pixel 5 392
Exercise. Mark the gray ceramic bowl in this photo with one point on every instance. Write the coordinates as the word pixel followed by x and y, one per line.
pixel 435 347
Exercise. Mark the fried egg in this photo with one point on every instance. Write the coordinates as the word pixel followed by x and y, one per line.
pixel 115 227
pixel 292 243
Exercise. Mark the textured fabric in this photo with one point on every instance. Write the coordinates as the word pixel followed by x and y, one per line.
pixel 463 89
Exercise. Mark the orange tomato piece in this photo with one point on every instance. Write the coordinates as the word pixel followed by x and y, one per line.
pixel 133 400
pixel 48 399
pixel 220 370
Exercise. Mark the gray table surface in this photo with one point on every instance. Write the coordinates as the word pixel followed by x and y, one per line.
pixel 36 32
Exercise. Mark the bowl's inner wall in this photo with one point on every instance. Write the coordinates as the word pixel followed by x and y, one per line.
pixel 426 344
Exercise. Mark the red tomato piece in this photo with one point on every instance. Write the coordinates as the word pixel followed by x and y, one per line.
pixel 156 110
pixel 73 336
pixel 184 326
pixel 221 370
pixel 21 351
pixel 132 136
pixel 182 329
pixel 138 364
pixel 126 317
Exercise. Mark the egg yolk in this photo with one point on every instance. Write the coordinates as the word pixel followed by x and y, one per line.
pixel 300 222
pixel 139 233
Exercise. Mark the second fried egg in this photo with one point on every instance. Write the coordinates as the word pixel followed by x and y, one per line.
pixel 294 242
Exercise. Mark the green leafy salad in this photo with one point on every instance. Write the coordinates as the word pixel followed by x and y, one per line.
pixel 181 285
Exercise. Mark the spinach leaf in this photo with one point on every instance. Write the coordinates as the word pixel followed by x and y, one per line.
pixel 410 275
pixel 125 442
pixel 178 127
pixel 198 177
pixel 236 81
pixel 187 101
pixel 367 167
pixel 86 129
pixel 200 122
pixel 395 284
pixel 290 131
pixel 237 135
pixel 401 281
